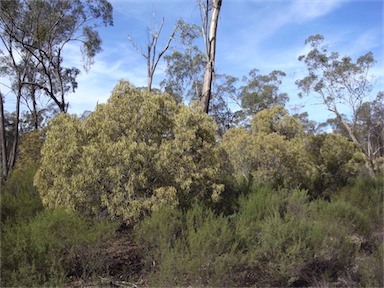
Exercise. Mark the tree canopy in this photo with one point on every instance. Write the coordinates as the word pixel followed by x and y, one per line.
pixel 34 34
pixel 40 30
pixel 340 82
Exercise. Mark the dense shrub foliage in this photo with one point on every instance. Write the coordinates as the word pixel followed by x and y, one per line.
pixel 277 238
pixel 45 250
pixel 20 201
pixel 335 160
pixel 275 150
pixel 132 155
pixel 271 151
pixel 42 247
pixel 195 248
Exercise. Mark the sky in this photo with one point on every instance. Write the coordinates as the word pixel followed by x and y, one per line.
pixel 267 35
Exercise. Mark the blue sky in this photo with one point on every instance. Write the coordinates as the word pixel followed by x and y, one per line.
pixel 261 34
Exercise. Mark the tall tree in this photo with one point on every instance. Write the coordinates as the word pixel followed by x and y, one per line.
pixel 43 28
pixel 4 157
pixel 223 91
pixel 260 92
pixel 150 55
pixel 210 46
pixel 30 96
pixel 370 126
pixel 34 34
pixel 15 65
pixel 185 66
pixel 339 82
pixel 185 75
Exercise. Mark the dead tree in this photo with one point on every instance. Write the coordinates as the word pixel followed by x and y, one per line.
pixel 150 55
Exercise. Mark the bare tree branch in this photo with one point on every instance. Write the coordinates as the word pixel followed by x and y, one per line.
pixel 151 56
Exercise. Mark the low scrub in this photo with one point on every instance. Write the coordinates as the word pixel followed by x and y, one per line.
pixel 51 246
pixel 195 248
pixel 19 200
pixel 276 238
pixel 367 195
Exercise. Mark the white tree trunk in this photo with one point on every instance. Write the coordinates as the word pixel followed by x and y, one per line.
pixel 4 160
pixel 211 50
pixel 367 161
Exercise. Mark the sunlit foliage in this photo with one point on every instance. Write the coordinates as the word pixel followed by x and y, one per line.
pixel 133 154
pixel 271 151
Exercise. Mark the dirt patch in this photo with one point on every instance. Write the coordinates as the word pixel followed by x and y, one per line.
pixel 122 264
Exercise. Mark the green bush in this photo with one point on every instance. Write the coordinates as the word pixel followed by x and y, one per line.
pixel 276 238
pixel 19 199
pixel 29 149
pixel 371 268
pixel 227 203
pixel 367 195
pixel 286 241
pixel 283 249
pixel 349 217
pixel 135 153
pixel 273 235
pixel 158 234
pixel 260 203
pixel 333 250
pixel 336 161
pixel 195 248
pixel 49 247
pixel 271 151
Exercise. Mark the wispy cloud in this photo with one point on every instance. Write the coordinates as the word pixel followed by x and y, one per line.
pixel 272 17
pixel 365 41
pixel 112 64
pixel 303 10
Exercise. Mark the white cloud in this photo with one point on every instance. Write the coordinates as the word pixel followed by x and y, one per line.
pixel 115 62
pixel 365 42
pixel 96 85
pixel 304 10
pixel 270 18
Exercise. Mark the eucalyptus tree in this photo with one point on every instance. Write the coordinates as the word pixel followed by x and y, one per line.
pixel 34 35
pixel 370 126
pixel 15 65
pixel 369 130
pixel 224 90
pixel 339 82
pixel 210 11
pixel 185 68
pixel 185 65
pixel 42 29
pixel 260 92
pixel 4 160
